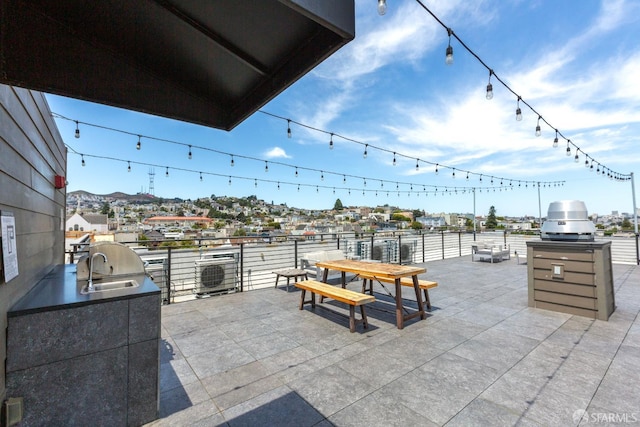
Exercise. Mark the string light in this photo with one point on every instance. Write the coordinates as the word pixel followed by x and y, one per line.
pixel 364 155
pixel 289 128
pixel 266 166
pixel 331 142
pixel 278 185
pixel 577 158
pixel 344 179
pixel 518 111
pixel 255 183
pixel 417 165
pixel 382 7
pixel 448 59
pixel 200 176
pixel 167 172
pixel 233 163
pixel 128 166
pixel 538 130
pixel 229 180
pixel 436 169
pixel 321 176
pixel 555 140
pixel 568 147
pixel 139 143
pixel 77 134
pixel 467 176
pixel 296 171
pixel 83 163
pixel 232 156
pixel 394 158
pixel 490 86
pixel 453 175
pixel 190 156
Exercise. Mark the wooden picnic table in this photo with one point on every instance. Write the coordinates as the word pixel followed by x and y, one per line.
pixel 393 272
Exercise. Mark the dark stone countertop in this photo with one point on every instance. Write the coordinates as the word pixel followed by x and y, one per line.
pixel 59 289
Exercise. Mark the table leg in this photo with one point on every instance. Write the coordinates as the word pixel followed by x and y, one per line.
pixel 288 283
pixel 277 278
pixel 416 286
pixel 399 316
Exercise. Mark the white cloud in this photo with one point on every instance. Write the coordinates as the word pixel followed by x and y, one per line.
pixel 276 153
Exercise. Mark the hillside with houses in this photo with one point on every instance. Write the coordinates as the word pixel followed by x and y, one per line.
pixel 146 216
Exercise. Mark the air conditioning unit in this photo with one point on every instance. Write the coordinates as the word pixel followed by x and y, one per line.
pixel 364 250
pixel 216 275
pixel 407 249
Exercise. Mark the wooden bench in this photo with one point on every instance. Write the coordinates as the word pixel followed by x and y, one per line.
pixel 425 285
pixel 339 294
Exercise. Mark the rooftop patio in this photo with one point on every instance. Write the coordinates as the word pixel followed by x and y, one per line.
pixel 482 357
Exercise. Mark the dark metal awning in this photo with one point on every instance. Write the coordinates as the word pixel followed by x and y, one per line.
pixel 211 62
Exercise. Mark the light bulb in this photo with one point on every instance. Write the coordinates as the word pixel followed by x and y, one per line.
pixel 436 169
pixel 289 129
pixel 382 7
pixel 394 158
pixel 489 91
pixel 538 131
pixel 364 155
pixel 296 171
pixel 232 162
pixel 200 176
pixel 417 165
pixel 555 141
pixel 129 167
pixel 448 59
pixel 518 114
pixel 266 166
pixel 139 143
pixel 77 131
pixel 83 163
pixel 190 155
pixel 229 180
pixel 568 149
pixel 331 143
pixel 576 158
pixel 321 176
pixel 167 173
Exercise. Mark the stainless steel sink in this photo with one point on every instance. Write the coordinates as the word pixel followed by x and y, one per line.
pixel 110 286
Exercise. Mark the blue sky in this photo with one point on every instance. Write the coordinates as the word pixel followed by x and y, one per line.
pixel 575 62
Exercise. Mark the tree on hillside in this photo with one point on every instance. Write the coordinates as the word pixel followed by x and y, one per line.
pixel 338 205
pixel 104 210
pixel 626 224
pixel 492 222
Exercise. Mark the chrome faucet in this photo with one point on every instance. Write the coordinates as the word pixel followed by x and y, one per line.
pixel 90 283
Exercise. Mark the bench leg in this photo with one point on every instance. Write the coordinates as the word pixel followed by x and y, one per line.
pixel 352 318
pixel 365 323
pixel 303 302
pixel 426 299
pixel 369 288
pixel 303 291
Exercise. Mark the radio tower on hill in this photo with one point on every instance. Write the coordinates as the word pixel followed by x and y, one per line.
pixel 152 174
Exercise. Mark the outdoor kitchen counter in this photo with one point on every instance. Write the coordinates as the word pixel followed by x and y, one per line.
pixel 85 359
pixel 60 289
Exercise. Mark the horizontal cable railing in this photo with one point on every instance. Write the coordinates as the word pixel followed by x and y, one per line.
pixel 203 267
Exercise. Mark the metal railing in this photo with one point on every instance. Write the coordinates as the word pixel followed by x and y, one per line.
pixel 188 267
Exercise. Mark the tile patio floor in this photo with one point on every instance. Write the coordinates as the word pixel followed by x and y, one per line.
pixel 482 357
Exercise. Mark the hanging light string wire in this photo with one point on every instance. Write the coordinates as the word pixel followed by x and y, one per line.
pixel 611 174
pixel 321 171
pixel 432 188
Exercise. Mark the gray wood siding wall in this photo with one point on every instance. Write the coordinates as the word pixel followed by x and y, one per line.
pixel 31 154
